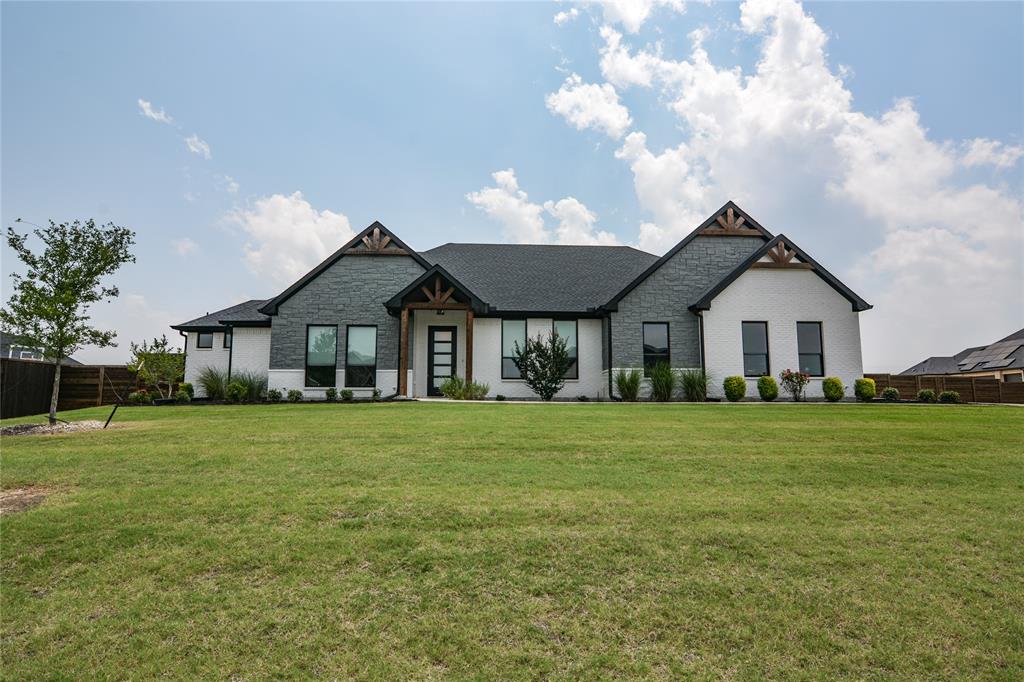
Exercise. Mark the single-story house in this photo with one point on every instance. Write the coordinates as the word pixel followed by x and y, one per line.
pixel 1002 360
pixel 731 298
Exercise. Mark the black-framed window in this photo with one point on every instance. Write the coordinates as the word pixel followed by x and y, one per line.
pixel 512 332
pixel 361 356
pixel 755 349
pixel 655 344
pixel 228 335
pixel 810 348
pixel 321 355
pixel 204 340
pixel 567 329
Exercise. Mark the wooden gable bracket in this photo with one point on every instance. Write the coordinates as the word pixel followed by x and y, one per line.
pixel 730 224
pixel 437 298
pixel 781 256
pixel 376 244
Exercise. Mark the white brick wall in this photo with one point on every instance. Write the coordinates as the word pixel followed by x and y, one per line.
pixel 251 350
pixel 286 380
pixel 198 358
pixel 782 298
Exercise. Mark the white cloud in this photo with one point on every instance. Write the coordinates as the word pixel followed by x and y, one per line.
pixel 184 246
pixel 196 145
pixel 983 152
pixel 230 184
pixel 587 105
pixel 785 141
pixel 564 17
pixel 287 236
pixel 633 13
pixel 523 221
pixel 147 110
pixel 134 318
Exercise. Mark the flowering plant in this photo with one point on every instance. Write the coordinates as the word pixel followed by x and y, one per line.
pixel 794 383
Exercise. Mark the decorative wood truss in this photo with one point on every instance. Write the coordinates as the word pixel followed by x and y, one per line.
pixel 439 295
pixel 730 224
pixel 376 243
pixel 781 256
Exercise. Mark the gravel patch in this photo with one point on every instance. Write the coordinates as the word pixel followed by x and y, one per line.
pixel 20 499
pixel 59 427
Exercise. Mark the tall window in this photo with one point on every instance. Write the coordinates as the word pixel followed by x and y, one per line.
pixel 321 355
pixel 512 332
pixel 361 357
pixel 655 344
pixel 755 349
pixel 228 337
pixel 808 345
pixel 204 340
pixel 567 330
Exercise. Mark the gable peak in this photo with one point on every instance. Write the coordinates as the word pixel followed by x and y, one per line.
pixel 731 221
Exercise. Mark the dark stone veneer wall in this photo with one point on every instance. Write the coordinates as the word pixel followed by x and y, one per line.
pixel 352 291
pixel 666 295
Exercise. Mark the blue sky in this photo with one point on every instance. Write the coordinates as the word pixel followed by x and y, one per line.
pixel 882 137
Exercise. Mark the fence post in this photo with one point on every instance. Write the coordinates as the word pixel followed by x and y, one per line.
pixel 999 388
pixel 974 391
pixel 99 393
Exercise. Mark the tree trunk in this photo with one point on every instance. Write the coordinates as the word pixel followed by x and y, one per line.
pixel 56 391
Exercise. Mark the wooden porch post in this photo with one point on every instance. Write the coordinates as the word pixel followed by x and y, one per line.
pixel 469 345
pixel 403 355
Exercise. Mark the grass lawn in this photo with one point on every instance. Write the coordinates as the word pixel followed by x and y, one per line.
pixel 396 541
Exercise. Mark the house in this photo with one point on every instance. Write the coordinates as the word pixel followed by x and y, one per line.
pixel 731 298
pixel 1002 360
pixel 15 348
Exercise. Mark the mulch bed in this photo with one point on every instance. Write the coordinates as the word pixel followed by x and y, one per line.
pixel 59 427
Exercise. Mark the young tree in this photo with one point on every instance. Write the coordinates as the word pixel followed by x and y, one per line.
pixel 50 303
pixel 158 364
pixel 542 364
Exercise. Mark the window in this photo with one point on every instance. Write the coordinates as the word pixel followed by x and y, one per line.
pixel 808 345
pixel 512 332
pixel 228 337
pixel 755 349
pixel 204 340
pixel 655 345
pixel 567 330
pixel 361 357
pixel 321 355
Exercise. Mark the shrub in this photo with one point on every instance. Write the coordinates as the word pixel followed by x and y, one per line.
pixel 235 392
pixel 891 394
pixel 181 397
pixel 767 388
pixel 376 394
pixel 158 365
pixel 542 363
pixel 254 385
pixel 926 395
pixel 833 389
pixel 499 397
pixel 735 388
pixel 949 397
pixel 695 384
pixel 456 388
pixel 475 391
pixel 274 395
pixel 346 394
pixel 864 389
pixel 139 398
pixel 331 394
pixel 628 383
pixel 583 398
pixel 794 383
pixel 295 396
pixel 214 382
pixel 187 387
pixel 663 381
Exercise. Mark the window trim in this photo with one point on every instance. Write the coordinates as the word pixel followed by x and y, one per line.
pixel 526 335
pixel 767 350
pixel 305 359
pixel 229 338
pixel 576 324
pixel 821 344
pixel 199 338
pixel 376 354
pixel 668 343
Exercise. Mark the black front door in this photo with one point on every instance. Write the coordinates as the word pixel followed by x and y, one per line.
pixel 440 357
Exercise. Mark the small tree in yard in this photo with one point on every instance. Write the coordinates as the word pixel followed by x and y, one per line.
pixel 542 364
pixel 158 364
pixel 50 303
pixel 795 383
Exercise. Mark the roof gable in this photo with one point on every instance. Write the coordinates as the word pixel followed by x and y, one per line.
pixel 375 240
pixel 438 288
pixel 243 314
pixel 780 252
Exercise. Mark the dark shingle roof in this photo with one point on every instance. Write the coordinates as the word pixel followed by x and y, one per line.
pixel 247 312
pixel 1001 354
pixel 541 278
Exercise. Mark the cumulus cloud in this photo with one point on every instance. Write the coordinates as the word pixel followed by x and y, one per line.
pixel 184 246
pixel 632 14
pixel 784 140
pixel 565 17
pixel 288 236
pixel 587 105
pixel 196 145
pixel 523 221
pixel 147 110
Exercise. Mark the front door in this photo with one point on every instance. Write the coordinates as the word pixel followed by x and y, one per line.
pixel 441 359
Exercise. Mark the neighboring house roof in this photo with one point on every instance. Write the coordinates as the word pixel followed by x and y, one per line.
pixel 244 314
pixel 532 278
pixel 1006 353
pixel 779 245
pixel 14 348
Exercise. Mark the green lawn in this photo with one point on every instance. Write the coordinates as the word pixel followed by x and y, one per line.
pixel 582 541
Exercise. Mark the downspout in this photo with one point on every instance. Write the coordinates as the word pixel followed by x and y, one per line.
pixel 231 349
pixel 184 370
pixel 700 327
pixel 611 396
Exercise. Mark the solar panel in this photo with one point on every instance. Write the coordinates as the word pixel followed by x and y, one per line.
pixel 990 355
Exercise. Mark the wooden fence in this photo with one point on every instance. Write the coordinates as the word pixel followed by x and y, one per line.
pixel 971 389
pixel 91 385
pixel 25 386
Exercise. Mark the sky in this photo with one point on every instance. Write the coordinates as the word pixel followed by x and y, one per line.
pixel 245 142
